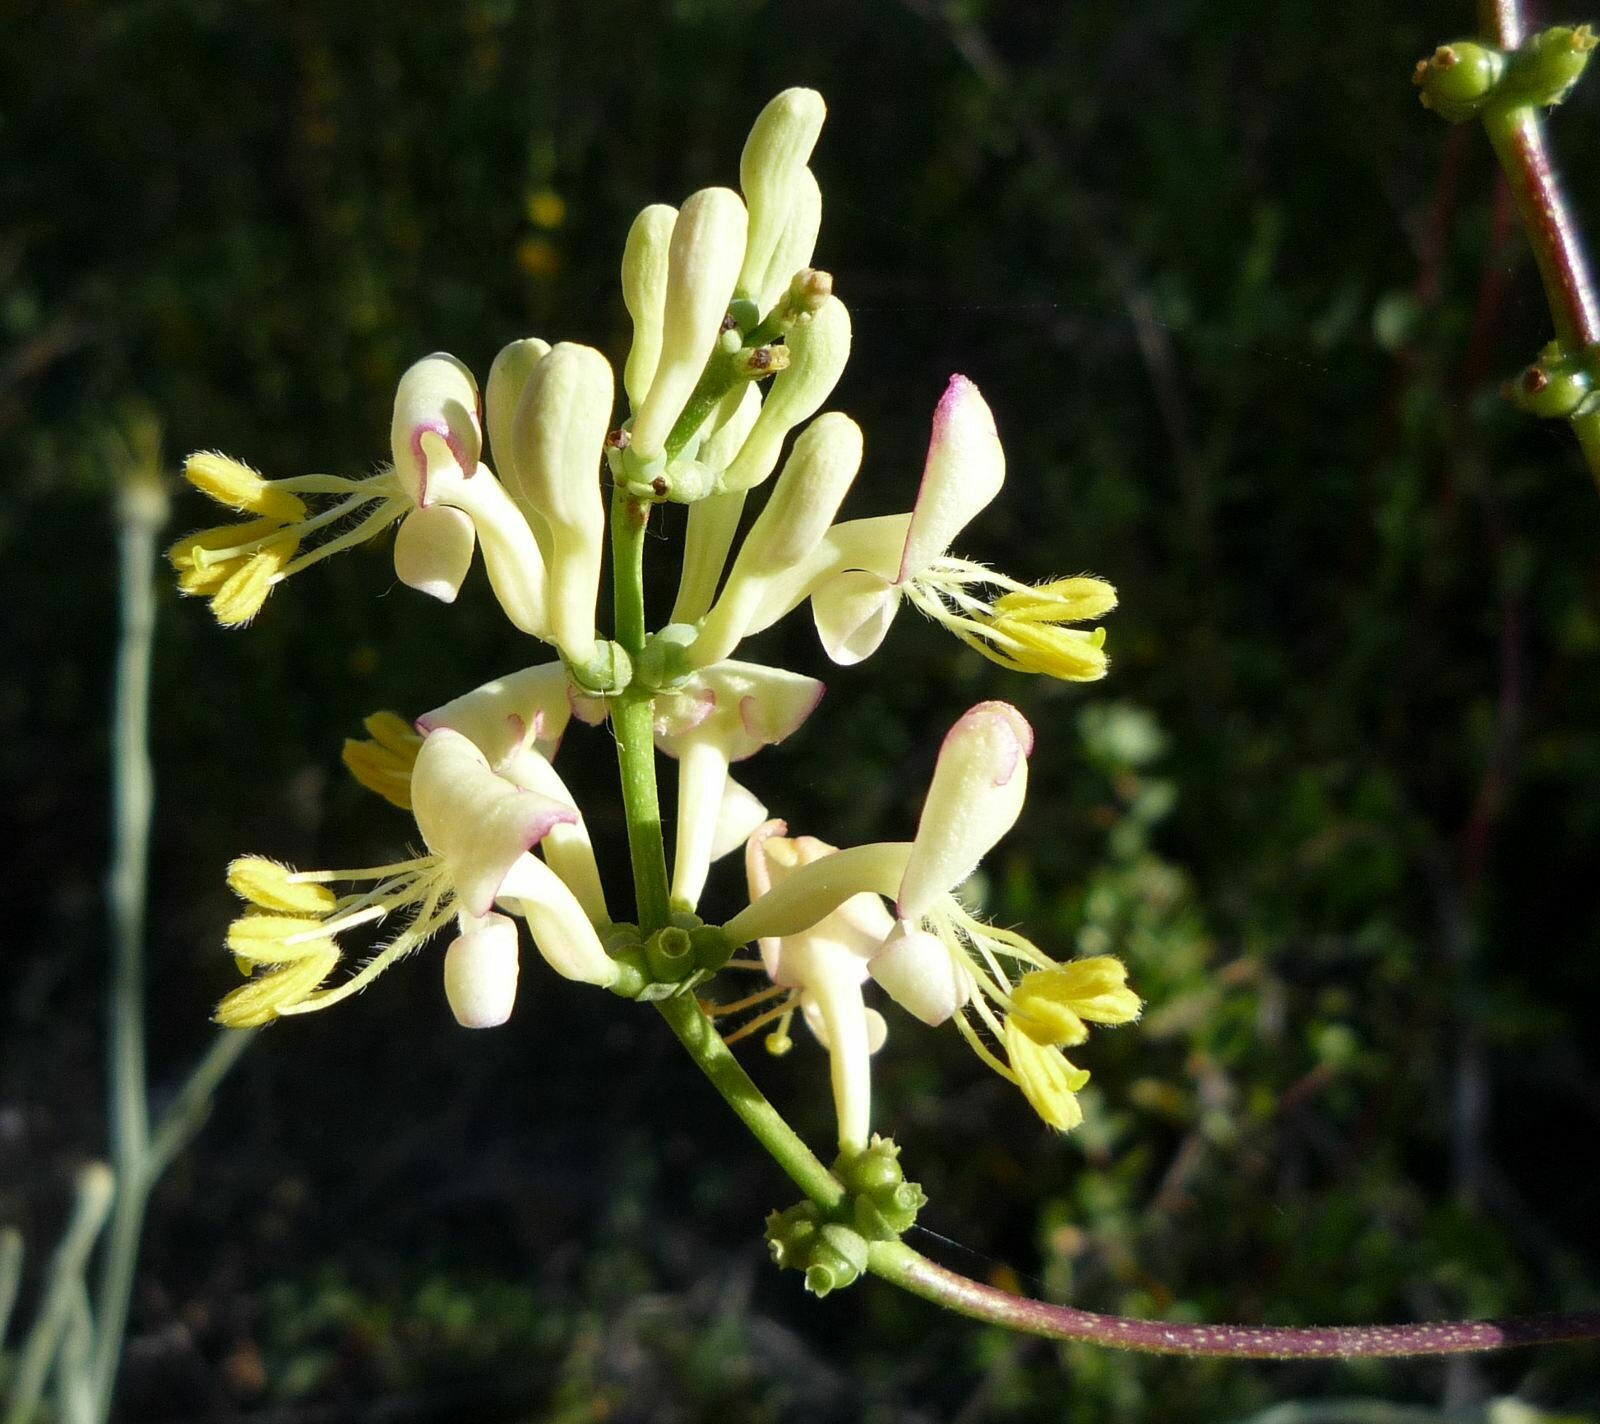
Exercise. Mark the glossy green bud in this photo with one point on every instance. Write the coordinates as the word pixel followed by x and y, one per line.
pixel 1457 80
pixel 1558 386
pixel 884 1205
pixel 832 1255
pixel 1548 64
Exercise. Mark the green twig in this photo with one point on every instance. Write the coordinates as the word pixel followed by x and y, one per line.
pixel 142 510
pixel 10 1275
pixel 187 1112
pixel 63 1282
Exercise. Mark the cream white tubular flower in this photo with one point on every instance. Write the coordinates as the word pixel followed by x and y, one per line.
pixel 815 479
pixel 559 438
pixel 797 243
pixel 979 784
pixel 517 722
pixel 772 173
pixel 818 351
pixel 446 499
pixel 963 472
pixel 645 258
pixel 722 715
pixel 704 256
pixel 1021 628
pixel 478 827
pixel 936 959
pixel 823 966
pixel 714 520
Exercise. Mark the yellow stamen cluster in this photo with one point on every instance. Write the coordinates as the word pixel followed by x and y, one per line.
pixel 1022 629
pixel 280 944
pixel 1049 1008
pixel 383 763
pixel 237 565
pixel 285 943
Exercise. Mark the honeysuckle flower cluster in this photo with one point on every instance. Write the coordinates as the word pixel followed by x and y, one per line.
pixel 738 342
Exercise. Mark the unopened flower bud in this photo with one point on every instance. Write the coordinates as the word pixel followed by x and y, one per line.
pixel 507 379
pixel 1458 79
pixel 770 169
pixel 559 434
pixel 1558 386
pixel 1543 71
pixel 480 973
pixel 704 257
pixel 644 293
pixel 814 481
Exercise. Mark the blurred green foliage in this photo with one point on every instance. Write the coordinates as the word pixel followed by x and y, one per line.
pixel 1241 308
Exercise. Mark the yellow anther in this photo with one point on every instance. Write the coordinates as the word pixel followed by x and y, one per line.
pixel 246 589
pixel 1066 600
pixel 264 882
pixel 1070 654
pixel 260 1001
pixel 239 487
pixel 1050 1005
pixel 265 938
pixel 1048 1081
pixel 392 732
pixel 383 765
pixel 199 550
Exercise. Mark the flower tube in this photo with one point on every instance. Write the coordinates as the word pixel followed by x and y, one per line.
pixel 723 715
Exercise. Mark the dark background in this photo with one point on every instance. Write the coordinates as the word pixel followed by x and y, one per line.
pixel 1241 307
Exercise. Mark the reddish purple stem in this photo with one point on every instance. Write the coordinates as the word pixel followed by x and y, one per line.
pixel 923 1277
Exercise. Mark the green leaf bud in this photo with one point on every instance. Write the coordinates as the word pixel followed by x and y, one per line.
pixel 1457 80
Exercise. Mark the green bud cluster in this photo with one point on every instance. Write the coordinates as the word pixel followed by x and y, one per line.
pixel 883 1204
pixel 1461 79
pixel 831 1255
pixel 669 962
pixel 831 1248
pixel 1560 385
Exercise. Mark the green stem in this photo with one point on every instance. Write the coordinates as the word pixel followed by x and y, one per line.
pixel 141 512
pixel 1517 136
pixel 631 719
pixel 715 1059
pixel 63 1286
pixel 10 1275
pixel 188 1110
